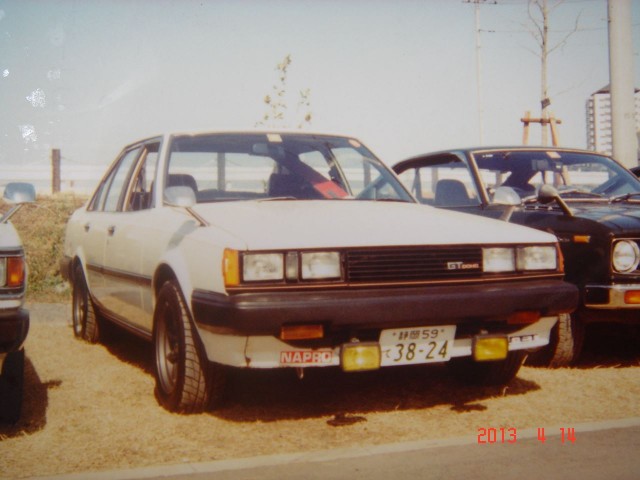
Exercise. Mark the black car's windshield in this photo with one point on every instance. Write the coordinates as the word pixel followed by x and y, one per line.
pixel 272 166
pixel 576 175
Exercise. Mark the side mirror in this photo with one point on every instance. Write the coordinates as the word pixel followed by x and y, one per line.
pixel 548 193
pixel 17 194
pixel 506 196
pixel 183 197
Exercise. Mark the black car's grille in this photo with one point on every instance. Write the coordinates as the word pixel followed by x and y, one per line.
pixel 413 263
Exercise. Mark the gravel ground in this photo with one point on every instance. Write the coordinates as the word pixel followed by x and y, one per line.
pixel 92 408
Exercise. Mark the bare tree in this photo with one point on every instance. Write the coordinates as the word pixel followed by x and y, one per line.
pixel 539 15
pixel 275 115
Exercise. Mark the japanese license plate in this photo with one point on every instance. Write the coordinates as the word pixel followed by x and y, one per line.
pixel 407 346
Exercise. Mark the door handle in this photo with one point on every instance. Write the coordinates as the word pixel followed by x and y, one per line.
pixel 111 230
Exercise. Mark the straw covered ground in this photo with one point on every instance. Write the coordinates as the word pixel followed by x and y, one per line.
pixel 92 408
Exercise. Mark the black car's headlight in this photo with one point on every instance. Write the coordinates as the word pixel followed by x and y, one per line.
pixel 625 256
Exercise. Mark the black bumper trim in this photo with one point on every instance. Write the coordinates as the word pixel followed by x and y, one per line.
pixel 13 330
pixel 265 313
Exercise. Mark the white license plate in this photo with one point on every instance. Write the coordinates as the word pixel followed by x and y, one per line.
pixel 407 346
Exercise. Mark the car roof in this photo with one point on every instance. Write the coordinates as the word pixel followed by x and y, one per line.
pixel 465 150
pixel 231 131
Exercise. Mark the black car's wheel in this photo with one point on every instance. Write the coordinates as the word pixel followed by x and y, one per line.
pixel 498 372
pixel 85 319
pixel 565 344
pixel 11 387
pixel 185 382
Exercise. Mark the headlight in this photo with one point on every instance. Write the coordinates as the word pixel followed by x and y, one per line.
pixel 537 257
pixel 258 267
pixel 320 265
pixel 626 256
pixel 498 260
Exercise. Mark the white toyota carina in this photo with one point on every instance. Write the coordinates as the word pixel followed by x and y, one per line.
pixel 275 249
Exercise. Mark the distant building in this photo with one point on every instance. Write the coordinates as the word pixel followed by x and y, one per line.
pixel 599 120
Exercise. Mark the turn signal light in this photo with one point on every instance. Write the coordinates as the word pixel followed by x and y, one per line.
pixel 632 297
pixel 301 332
pixel 231 268
pixel 15 271
pixel 523 318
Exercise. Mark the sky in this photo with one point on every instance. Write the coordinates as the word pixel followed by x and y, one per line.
pixel 89 77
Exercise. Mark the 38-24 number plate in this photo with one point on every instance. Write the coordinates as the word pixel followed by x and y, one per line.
pixel 406 346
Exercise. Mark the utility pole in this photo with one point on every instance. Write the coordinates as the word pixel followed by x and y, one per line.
pixel 479 68
pixel 479 76
pixel 623 125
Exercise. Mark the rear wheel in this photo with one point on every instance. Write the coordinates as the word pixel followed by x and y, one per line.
pixel 490 373
pixel 85 319
pixel 565 344
pixel 185 382
pixel 11 387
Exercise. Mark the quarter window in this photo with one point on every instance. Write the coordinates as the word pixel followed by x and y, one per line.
pixel 118 180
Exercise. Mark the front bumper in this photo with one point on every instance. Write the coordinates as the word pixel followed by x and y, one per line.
pixel 270 352
pixel 265 313
pixel 612 297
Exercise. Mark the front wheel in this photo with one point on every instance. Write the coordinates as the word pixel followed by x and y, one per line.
pixel 565 344
pixel 185 382
pixel 85 319
pixel 490 373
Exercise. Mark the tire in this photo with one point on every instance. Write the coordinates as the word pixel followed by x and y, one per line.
pixel 185 382
pixel 12 387
pixel 83 311
pixel 493 373
pixel 565 344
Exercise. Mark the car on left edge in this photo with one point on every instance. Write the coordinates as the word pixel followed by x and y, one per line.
pixel 297 250
pixel 14 318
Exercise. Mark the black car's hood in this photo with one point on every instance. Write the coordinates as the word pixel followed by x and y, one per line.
pixel 616 216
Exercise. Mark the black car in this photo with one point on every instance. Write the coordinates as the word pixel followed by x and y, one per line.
pixel 588 200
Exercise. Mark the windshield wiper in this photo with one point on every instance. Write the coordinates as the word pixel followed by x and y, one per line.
pixel 623 197
pixel 400 200
pixel 275 199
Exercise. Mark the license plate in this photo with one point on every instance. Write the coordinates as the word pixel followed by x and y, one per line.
pixel 408 346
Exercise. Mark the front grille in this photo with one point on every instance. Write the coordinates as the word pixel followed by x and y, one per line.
pixel 413 263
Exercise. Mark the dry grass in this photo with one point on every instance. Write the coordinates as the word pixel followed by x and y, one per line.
pixel 41 227
pixel 91 407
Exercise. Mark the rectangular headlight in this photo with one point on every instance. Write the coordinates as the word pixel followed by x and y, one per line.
pixel 258 267
pixel 498 259
pixel 537 257
pixel 320 265
pixel 3 272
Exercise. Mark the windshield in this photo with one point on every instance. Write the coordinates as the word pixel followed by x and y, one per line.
pixel 576 175
pixel 224 167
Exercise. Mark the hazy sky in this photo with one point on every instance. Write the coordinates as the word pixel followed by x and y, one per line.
pixel 89 77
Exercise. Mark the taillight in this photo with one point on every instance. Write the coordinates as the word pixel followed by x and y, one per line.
pixel 15 271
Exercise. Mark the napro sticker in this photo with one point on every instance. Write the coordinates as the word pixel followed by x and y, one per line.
pixel 306 357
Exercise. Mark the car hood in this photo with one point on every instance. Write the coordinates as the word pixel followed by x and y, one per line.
pixel 615 216
pixel 9 237
pixel 350 223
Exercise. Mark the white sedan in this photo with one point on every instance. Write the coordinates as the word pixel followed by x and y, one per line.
pixel 296 250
